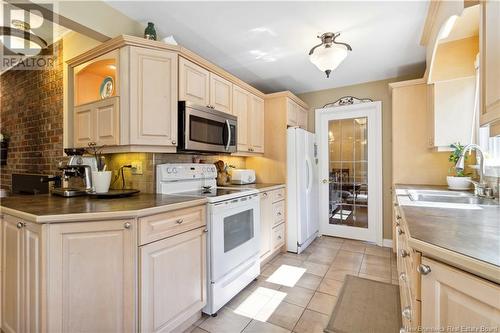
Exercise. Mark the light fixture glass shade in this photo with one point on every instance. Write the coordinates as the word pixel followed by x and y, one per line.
pixel 328 58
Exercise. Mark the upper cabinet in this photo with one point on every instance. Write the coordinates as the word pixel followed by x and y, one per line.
pixel 221 93
pixel 296 114
pixel 124 93
pixel 490 59
pixel 453 81
pixel 127 98
pixel 194 83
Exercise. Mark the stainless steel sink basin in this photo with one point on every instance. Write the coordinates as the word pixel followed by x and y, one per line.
pixel 449 197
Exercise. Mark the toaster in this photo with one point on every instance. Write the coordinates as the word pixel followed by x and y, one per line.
pixel 243 176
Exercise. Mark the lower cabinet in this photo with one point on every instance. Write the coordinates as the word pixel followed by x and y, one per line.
pixel 91 276
pixel 454 298
pixel 272 222
pixel 173 280
pixel 21 276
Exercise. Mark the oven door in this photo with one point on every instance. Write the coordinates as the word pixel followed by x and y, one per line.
pixel 234 234
pixel 210 130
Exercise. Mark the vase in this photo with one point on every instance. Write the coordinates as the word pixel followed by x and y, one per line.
pixel 101 181
pixel 458 183
pixel 150 32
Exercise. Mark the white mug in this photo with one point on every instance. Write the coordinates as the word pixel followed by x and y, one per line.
pixel 101 181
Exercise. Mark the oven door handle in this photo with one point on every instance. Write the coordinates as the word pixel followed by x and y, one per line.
pixel 228 135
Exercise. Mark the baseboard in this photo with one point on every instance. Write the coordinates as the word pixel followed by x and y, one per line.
pixel 387 243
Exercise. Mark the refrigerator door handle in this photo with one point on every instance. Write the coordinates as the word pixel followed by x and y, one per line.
pixel 309 174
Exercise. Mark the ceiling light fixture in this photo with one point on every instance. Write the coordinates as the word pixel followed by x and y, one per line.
pixel 329 53
pixel 20 37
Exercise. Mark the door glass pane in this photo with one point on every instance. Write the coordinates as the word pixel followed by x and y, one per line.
pixel 348 172
pixel 238 229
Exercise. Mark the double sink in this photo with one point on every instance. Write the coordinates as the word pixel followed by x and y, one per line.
pixel 450 197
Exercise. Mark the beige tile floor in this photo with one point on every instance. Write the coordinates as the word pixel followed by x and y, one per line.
pixel 297 293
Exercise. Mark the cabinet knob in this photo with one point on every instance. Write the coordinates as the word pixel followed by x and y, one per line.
pixel 20 225
pixel 179 221
pixel 402 277
pixel 174 142
pixel 424 269
pixel 264 194
pixel 403 253
pixel 406 312
pixel 279 213
pixel 127 225
pixel 398 217
pixel 205 230
pixel 279 237
pixel 400 231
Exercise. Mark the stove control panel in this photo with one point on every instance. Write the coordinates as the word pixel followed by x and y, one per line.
pixel 185 171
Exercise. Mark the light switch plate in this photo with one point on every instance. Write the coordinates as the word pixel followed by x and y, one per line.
pixel 136 167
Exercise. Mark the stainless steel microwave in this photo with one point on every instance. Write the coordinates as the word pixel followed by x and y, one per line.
pixel 203 129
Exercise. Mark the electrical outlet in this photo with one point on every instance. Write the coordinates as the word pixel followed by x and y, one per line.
pixel 136 167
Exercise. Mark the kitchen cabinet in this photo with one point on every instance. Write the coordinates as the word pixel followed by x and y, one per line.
pixel 454 298
pixel 140 111
pixel 241 109
pixel 21 276
pixel 490 59
pixel 97 122
pixel 194 83
pixel 221 93
pixel 250 112
pixel 171 269
pixel 256 124
pixel 91 274
pixel 296 114
pixel 153 97
pixel 272 223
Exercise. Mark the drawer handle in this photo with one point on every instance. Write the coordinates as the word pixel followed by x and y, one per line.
pixel 179 221
pixel 127 225
pixel 406 312
pixel 19 225
pixel 424 269
pixel 404 253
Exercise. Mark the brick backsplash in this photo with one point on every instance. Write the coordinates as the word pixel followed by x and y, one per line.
pixel 31 113
pixel 146 182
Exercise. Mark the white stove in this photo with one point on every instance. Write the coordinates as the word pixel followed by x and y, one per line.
pixel 233 221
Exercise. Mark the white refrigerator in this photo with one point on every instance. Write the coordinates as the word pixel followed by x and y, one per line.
pixel 302 189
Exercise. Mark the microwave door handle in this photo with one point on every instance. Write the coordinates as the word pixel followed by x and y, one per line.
pixel 228 135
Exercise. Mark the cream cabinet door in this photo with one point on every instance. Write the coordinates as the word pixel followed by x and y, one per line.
pixel 83 125
pixel 490 50
pixel 32 269
pixel 256 124
pixel 91 276
pixel 106 122
pixel 21 275
pixel 153 96
pixel 291 112
pixel 12 275
pixel 194 83
pixel 221 93
pixel 173 280
pixel 241 108
pixel 453 298
pixel 302 118
pixel 266 218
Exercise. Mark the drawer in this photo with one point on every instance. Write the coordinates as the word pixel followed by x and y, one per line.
pixel 277 195
pixel 278 236
pixel 278 212
pixel 159 226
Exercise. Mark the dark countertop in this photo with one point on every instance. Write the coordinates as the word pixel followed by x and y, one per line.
pixel 48 208
pixel 259 186
pixel 469 230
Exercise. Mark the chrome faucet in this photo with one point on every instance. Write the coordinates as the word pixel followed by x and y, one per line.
pixel 480 188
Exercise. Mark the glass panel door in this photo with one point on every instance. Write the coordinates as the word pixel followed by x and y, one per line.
pixel 350 171
pixel 348 176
